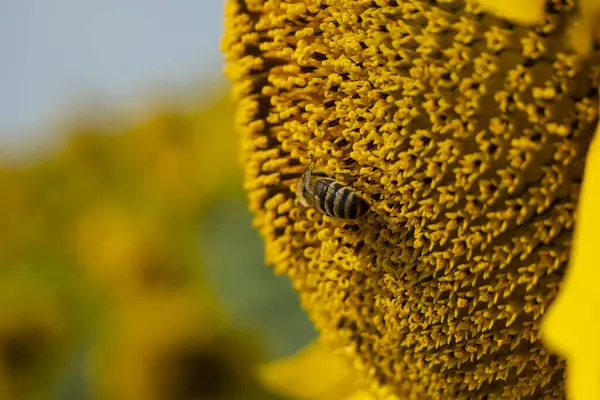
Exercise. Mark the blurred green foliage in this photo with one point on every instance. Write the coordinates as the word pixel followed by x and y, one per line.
pixel 253 296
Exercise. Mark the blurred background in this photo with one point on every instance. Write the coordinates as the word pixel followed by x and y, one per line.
pixel 129 268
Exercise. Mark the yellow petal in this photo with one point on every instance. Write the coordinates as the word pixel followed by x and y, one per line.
pixel 361 395
pixel 584 28
pixel 373 395
pixel 519 11
pixel 580 36
pixel 572 327
pixel 315 373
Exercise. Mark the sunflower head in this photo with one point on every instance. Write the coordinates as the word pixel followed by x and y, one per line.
pixel 465 134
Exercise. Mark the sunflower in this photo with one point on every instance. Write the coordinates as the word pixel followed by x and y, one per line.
pixel 467 135
pixel 172 346
pixel 39 326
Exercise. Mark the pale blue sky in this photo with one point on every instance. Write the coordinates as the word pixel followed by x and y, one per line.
pixel 57 52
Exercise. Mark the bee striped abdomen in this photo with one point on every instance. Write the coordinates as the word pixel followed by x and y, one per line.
pixel 315 189
pixel 338 200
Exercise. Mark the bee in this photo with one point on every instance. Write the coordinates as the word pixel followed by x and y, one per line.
pixel 319 191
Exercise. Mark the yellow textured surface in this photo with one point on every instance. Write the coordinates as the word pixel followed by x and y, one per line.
pixel 466 134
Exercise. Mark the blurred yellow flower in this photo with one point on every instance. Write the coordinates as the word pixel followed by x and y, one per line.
pixel 172 346
pixel 466 134
pixel 185 155
pixel 128 251
pixel 107 222
pixel 38 330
